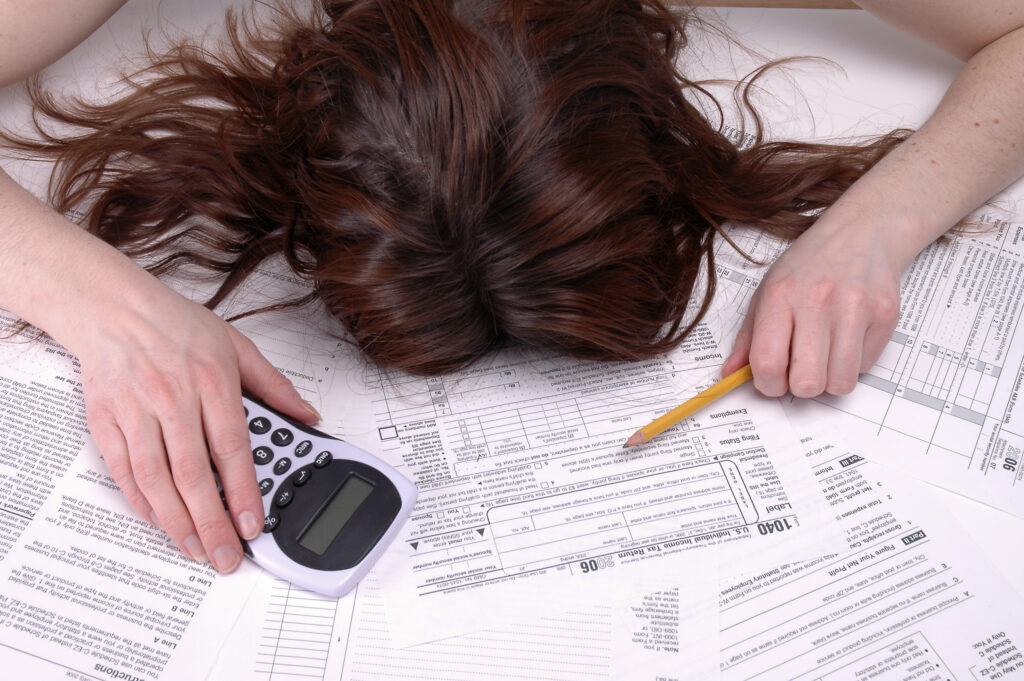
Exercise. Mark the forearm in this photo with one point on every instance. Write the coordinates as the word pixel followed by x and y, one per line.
pixel 52 271
pixel 34 34
pixel 967 151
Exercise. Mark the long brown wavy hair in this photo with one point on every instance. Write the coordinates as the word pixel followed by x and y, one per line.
pixel 451 175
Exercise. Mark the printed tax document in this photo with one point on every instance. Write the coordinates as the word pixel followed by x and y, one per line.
pixel 87 589
pixel 942 400
pixel 286 633
pixel 911 598
pixel 526 493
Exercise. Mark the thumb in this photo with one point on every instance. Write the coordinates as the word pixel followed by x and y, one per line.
pixel 740 354
pixel 264 381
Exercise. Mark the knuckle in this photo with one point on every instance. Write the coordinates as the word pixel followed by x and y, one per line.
pixel 190 473
pixel 766 367
pixel 806 386
pixel 120 469
pixel 819 296
pixel 149 474
pixel 841 386
pixel 208 526
pixel 229 445
pixel 887 309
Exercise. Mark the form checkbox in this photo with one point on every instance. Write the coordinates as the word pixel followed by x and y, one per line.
pixel 388 432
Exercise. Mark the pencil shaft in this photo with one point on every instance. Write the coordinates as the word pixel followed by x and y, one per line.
pixel 699 401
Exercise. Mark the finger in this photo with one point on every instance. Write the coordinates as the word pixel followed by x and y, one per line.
pixel 877 337
pixel 111 443
pixel 150 471
pixel 263 380
pixel 230 449
pixel 769 352
pixel 808 363
pixel 844 359
pixel 879 333
pixel 741 347
pixel 190 468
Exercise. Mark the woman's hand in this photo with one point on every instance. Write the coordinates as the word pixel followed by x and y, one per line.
pixel 163 400
pixel 162 376
pixel 822 314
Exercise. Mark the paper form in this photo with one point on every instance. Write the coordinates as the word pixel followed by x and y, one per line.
pixel 941 403
pixel 527 494
pixel 911 598
pixel 88 591
pixel 286 633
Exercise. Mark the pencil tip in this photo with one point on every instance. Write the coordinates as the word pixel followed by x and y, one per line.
pixel 635 439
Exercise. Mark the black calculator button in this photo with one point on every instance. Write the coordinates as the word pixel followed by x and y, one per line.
pixel 322 459
pixel 303 448
pixel 282 437
pixel 302 476
pixel 282 466
pixel 246 410
pixel 259 425
pixel 271 521
pixel 284 497
pixel 266 484
pixel 262 455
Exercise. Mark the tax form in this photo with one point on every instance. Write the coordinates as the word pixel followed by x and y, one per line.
pixel 526 493
pixel 911 598
pixel 87 589
pixel 942 400
pixel 285 633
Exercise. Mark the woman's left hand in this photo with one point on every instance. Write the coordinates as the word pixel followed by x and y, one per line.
pixel 822 314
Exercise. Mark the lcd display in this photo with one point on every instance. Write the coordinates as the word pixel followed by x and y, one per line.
pixel 339 510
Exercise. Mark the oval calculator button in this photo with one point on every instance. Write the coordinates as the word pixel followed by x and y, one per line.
pixel 282 437
pixel 284 497
pixel 259 425
pixel 322 459
pixel 271 521
pixel 262 455
pixel 266 484
pixel 302 476
pixel 246 410
pixel 282 466
pixel 303 448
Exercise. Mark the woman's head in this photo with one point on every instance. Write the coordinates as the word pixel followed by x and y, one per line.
pixel 452 176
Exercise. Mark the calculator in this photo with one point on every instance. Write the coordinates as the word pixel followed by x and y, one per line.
pixel 331 509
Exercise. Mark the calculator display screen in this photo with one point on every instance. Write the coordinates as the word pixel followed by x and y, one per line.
pixel 321 532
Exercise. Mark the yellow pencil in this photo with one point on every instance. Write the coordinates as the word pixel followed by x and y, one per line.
pixel 663 423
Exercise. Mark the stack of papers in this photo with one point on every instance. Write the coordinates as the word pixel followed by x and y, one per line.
pixel 759 539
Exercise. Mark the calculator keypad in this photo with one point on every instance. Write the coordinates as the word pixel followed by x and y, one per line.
pixel 262 455
pixel 282 437
pixel 283 494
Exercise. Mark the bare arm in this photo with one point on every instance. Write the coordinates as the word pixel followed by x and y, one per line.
pixel 36 33
pixel 162 376
pixel 826 309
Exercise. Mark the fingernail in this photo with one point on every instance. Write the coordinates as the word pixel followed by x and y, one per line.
pixel 313 411
pixel 249 525
pixel 226 559
pixel 194 547
pixel 153 519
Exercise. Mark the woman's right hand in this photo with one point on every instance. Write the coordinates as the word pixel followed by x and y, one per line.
pixel 163 401
pixel 162 376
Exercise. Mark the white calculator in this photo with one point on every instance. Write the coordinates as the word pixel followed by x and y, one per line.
pixel 331 509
